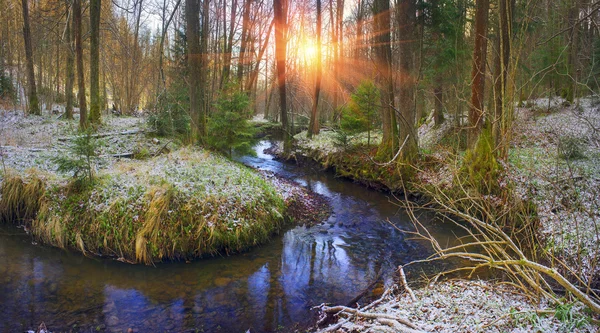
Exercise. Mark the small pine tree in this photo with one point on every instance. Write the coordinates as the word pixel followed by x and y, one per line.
pixel 80 162
pixel 229 129
pixel 7 90
pixel 361 113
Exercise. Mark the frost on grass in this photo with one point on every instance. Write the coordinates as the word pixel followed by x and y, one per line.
pixel 555 162
pixel 468 306
pixel 185 204
pixel 327 142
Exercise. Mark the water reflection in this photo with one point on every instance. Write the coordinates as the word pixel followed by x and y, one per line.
pixel 268 288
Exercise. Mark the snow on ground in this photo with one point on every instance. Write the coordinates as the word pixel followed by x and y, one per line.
pixel 328 142
pixel 468 306
pixel 28 141
pixel 565 190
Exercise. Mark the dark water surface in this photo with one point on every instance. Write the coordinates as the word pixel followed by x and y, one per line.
pixel 270 288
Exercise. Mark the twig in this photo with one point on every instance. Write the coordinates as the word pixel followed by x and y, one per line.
pixel 405 284
pixel 161 149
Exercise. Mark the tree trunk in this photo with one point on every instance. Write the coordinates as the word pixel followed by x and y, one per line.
pixel 254 74
pixel 313 128
pixel 70 68
pixel 243 42
pixel 229 45
pixel 34 107
pixel 280 16
pixel 573 49
pixel 383 62
pixel 478 72
pixel 406 30
pixel 438 112
pixel 502 118
pixel 95 7
pixel 192 9
pixel 83 121
pixel 204 96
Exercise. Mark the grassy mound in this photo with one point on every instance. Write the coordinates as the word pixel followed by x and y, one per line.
pixel 184 205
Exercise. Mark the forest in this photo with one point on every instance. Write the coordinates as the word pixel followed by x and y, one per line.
pixel 300 166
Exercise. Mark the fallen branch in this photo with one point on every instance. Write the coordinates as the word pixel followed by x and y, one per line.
pixel 405 284
pixel 161 149
pixel 410 327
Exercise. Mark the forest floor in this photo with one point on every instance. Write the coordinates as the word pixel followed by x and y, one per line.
pixel 138 175
pixel 554 162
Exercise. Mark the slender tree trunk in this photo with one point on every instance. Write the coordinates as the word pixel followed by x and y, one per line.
pixel 313 128
pixel 229 45
pixel 478 72
pixel 83 121
pixel 192 9
pixel 243 42
pixel 502 105
pixel 34 107
pixel 383 61
pixel 406 25
pixel 95 7
pixel 204 93
pixel 280 16
pixel 254 75
pixel 70 67
pixel 573 49
pixel 438 113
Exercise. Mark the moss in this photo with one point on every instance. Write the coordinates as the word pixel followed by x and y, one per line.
pixel 480 169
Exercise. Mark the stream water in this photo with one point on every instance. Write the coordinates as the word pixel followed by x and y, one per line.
pixel 270 288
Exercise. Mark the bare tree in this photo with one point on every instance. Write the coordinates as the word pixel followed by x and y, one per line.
pixel 70 66
pixel 83 121
pixel 192 9
pixel 34 107
pixel 280 17
pixel 383 60
pixel 478 72
pixel 313 128
pixel 95 7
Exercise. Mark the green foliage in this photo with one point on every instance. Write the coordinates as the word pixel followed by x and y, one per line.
pixel 595 64
pixel 170 117
pixel 480 168
pixel 361 113
pixel 7 90
pixel 570 148
pixel 229 128
pixel 80 162
pixel 570 318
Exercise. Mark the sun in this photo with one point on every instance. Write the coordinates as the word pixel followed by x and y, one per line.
pixel 308 50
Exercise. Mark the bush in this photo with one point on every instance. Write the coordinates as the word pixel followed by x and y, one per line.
pixel 570 148
pixel 82 159
pixel 228 127
pixel 7 90
pixel 170 118
pixel 361 113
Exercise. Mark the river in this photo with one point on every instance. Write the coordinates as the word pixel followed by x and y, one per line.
pixel 270 288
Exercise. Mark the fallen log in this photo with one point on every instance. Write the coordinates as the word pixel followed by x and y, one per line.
pixel 102 135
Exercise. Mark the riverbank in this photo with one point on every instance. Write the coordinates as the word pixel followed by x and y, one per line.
pixel 149 200
pixel 459 306
pixel 551 178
